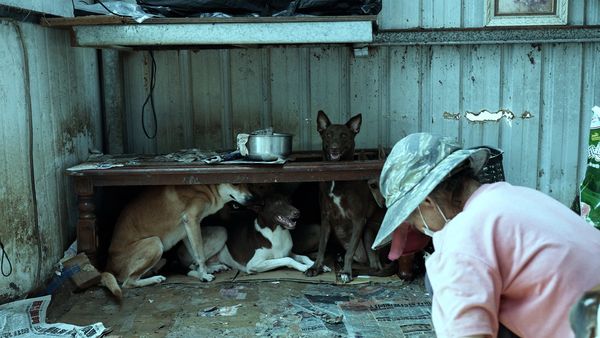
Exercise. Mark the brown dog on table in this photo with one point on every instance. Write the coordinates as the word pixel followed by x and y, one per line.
pixel 157 220
pixel 346 206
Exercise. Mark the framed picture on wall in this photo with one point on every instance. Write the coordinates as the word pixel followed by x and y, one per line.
pixel 526 12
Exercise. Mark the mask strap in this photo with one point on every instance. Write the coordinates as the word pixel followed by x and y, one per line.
pixel 441 213
pixel 426 230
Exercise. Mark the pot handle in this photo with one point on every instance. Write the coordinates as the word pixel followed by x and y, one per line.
pixel 242 140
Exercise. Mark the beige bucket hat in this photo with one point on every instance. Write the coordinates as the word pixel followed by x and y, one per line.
pixel 415 166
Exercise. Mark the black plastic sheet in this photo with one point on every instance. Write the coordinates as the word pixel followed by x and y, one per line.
pixel 333 7
pixel 195 8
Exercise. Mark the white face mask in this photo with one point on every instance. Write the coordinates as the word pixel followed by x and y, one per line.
pixel 426 230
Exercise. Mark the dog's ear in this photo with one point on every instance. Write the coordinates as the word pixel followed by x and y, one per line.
pixel 354 123
pixel 322 121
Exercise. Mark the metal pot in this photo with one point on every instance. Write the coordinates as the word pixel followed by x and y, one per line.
pixel 269 147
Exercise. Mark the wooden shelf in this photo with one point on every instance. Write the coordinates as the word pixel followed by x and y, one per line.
pixel 137 171
pixel 147 171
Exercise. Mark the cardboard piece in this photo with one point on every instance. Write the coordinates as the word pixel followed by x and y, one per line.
pixel 281 275
pixel 85 274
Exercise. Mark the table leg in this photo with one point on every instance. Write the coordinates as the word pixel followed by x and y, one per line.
pixel 87 230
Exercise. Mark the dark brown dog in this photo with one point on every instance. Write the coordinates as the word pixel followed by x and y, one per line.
pixel 346 206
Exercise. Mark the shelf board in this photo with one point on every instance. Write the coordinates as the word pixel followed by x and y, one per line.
pixel 110 31
pixel 487 35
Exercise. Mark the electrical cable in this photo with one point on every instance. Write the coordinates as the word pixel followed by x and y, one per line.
pixel 111 12
pixel 4 255
pixel 150 98
pixel 27 88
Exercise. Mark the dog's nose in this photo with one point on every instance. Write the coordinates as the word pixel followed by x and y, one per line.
pixel 296 214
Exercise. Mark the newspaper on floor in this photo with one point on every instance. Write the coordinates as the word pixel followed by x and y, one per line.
pixel 365 311
pixel 27 318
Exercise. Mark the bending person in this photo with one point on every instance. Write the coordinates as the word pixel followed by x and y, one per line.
pixel 504 254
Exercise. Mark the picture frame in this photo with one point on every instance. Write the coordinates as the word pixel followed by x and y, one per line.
pixel 526 12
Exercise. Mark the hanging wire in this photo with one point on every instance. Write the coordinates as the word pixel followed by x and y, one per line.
pixel 5 256
pixel 111 12
pixel 150 98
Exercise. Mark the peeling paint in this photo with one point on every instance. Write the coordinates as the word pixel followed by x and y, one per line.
pixel 526 115
pixel 486 115
pixel 451 116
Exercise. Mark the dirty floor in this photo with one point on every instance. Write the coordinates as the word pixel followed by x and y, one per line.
pixel 281 303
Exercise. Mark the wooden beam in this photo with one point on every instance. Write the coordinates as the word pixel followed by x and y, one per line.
pixel 93 20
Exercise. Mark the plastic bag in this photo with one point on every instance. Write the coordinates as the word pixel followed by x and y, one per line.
pixel 590 187
pixel 189 8
pixel 195 8
pixel 114 7
pixel 335 7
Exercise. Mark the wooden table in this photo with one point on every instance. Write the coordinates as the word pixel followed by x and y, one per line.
pixel 134 170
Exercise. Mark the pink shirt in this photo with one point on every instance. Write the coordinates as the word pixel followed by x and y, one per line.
pixel 513 255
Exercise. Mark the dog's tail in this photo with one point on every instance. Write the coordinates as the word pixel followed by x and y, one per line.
pixel 386 271
pixel 108 280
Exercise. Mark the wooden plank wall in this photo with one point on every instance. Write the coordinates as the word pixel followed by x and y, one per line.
pixel 49 120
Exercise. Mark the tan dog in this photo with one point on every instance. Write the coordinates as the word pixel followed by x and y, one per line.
pixel 155 222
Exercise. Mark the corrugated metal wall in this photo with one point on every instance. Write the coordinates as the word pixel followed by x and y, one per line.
pixel 49 117
pixel 204 98
pixel 53 7
pixel 401 14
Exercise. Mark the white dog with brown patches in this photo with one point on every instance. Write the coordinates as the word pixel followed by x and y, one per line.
pixel 256 244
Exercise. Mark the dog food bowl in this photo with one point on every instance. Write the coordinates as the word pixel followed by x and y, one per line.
pixel 269 147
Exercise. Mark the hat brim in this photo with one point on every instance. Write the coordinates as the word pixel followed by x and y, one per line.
pixel 397 213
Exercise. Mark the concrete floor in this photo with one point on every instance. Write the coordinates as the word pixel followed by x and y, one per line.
pixel 282 303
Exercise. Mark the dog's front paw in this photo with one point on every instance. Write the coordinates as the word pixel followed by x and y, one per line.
pixel 304 260
pixel 345 277
pixel 326 268
pixel 157 279
pixel 212 268
pixel 313 271
pixel 302 268
pixel 207 277
pixel 203 276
